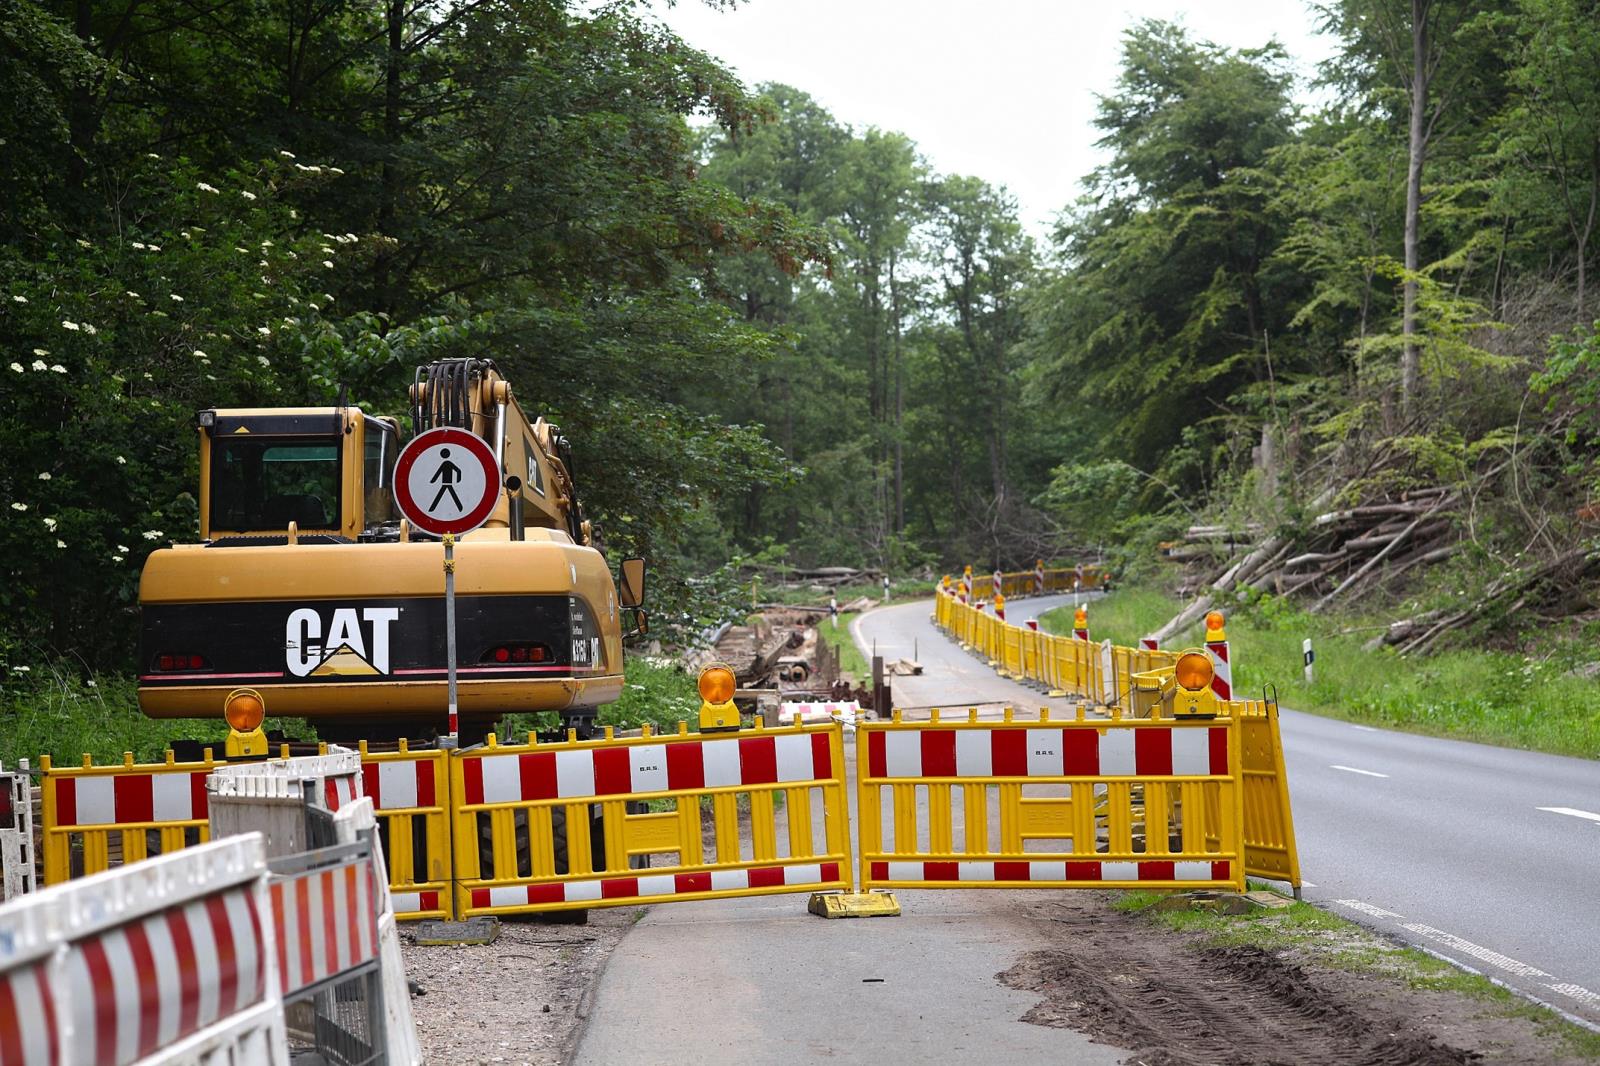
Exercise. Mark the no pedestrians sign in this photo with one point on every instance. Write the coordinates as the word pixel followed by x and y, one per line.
pixel 446 481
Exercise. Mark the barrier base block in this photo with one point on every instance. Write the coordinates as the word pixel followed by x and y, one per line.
pixel 433 932
pixel 1267 899
pixel 854 905
pixel 1056 694
pixel 1203 900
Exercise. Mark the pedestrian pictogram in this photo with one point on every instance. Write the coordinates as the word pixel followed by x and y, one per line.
pixel 447 481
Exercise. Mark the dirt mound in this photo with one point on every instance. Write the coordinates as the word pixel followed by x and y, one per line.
pixel 1174 1005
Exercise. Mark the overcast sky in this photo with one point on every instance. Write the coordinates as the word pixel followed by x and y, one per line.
pixel 1002 89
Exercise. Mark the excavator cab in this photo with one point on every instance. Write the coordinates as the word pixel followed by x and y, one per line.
pixel 309 595
pixel 325 473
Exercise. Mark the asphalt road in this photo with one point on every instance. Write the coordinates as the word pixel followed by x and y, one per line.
pixel 760 980
pixel 1438 842
pixel 1485 855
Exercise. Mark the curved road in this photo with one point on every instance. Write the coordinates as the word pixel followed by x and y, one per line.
pixel 1486 855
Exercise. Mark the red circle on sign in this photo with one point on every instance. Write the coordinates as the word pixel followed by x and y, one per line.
pixel 477 511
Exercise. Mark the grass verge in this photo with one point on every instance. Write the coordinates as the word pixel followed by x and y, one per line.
pixel 1333 942
pixel 1491 696
pixel 851 661
pixel 65 717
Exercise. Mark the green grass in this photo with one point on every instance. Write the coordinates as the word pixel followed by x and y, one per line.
pixel 1333 942
pixel 851 661
pixel 1485 695
pixel 55 713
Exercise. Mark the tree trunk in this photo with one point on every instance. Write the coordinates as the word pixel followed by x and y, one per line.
pixel 1416 155
pixel 899 523
pixel 388 205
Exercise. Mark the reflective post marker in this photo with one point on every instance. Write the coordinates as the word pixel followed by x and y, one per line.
pixel 1310 657
pixel 450 630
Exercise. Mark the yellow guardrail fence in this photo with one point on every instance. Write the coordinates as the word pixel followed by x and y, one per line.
pixel 1125 802
pixel 1269 846
pixel 411 793
pixel 1064 665
pixel 547 826
pixel 97 817
pixel 1138 680
pixel 1157 780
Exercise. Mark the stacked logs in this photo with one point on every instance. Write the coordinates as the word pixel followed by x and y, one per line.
pixel 1338 554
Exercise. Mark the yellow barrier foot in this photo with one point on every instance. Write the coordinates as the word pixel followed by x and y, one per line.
pixel 854 905
pixel 1270 900
pixel 1056 694
pixel 1216 902
pixel 434 932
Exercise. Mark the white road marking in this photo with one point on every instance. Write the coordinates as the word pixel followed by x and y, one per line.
pixel 1477 951
pixel 1579 993
pixel 1307 884
pixel 1489 955
pixel 1367 908
pixel 1353 770
pixel 1366 729
pixel 1573 811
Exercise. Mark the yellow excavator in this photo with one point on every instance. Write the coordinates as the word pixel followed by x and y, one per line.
pixel 307 595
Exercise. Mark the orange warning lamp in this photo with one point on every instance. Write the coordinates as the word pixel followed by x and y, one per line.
pixel 717 711
pixel 244 710
pixel 1193 697
pixel 1080 618
pixel 1214 630
pixel 1194 670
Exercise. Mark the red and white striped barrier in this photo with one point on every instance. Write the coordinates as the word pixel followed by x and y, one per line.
pixel 1033 624
pixel 327 923
pixel 336 777
pixel 645 768
pixel 16 833
pixel 395 786
pixel 789 878
pixel 1221 660
pixel 818 713
pixel 1149 644
pixel 1038 577
pixel 1049 873
pixel 163 961
pixel 352 823
pixel 1029 751
pixel 999 583
pixel 122 799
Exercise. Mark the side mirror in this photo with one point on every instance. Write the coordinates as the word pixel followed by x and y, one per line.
pixel 631 594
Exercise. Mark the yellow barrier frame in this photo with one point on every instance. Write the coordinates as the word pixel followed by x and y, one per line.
pixel 415 836
pixel 72 793
pixel 1137 811
pixel 614 773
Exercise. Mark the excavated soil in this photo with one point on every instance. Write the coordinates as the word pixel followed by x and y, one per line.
pixel 1128 982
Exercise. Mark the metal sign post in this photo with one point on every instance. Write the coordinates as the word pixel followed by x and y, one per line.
pixel 447 482
pixel 450 632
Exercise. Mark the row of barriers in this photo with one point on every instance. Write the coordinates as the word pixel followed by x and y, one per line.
pixel 1101 672
pixel 1039 581
pixel 505 829
pixel 1123 679
pixel 208 955
pixel 1127 793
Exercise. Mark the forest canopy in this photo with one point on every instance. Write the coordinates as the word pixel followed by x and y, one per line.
pixel 774 336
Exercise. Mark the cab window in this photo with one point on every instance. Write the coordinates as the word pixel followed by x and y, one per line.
pixel 261 483
pixel 381 449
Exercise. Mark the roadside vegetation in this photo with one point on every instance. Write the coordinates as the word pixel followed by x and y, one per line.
pixel 1523 700
pixel 58 713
